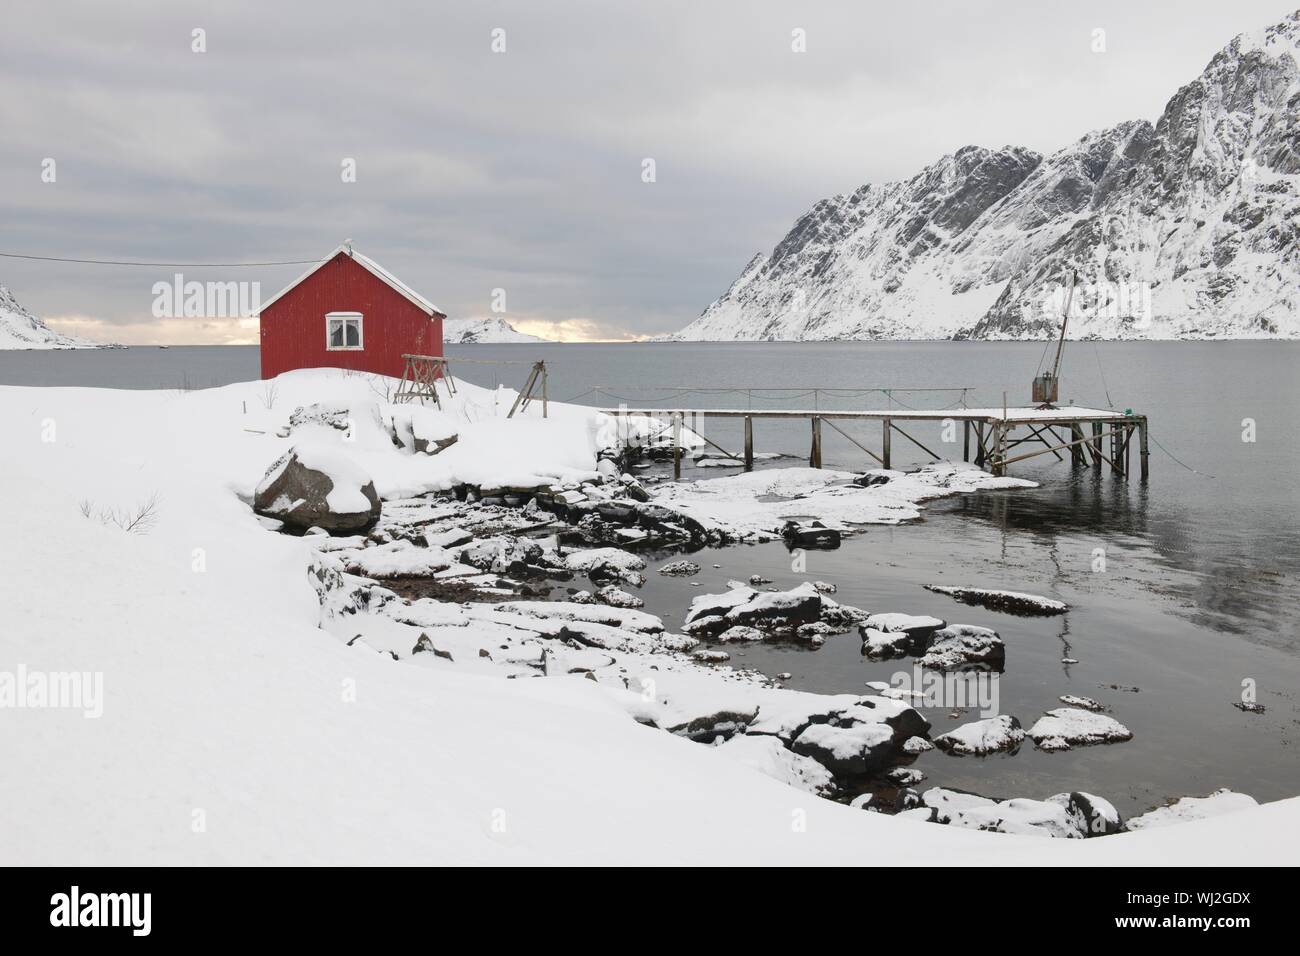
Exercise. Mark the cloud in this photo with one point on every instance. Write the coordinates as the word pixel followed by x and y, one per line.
pixel 521 170
pixel 575 330
pixel 151 331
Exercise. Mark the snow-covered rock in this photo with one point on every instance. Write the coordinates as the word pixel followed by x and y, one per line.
pixel 607 564
pixel 395 559
pixel 963 647
pixel 313 485
pixel 1070 816
pixel 1193 808
pixel 890 635
pixel 617 597
pixel 1086 703
pixel 1091 815
pixel 1066 727
pixel 802 612
pixel 859 739
pixel 982 737
pixel 768 755
pixel 1181 229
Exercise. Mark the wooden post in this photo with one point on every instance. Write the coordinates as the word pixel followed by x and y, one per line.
pixel 677 445
pixel 545 403
pixel 1077 458
pixel 749 442
pixel 1096 444
pixel 965 440
pixel 979 440
pixel 884 443
pixel 1128 443
pixel 815 458
pixel 1145 452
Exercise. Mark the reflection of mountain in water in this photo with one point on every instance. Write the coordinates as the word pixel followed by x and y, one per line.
pixel 1244 586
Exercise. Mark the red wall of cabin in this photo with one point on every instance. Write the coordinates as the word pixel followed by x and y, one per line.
pixel 293 327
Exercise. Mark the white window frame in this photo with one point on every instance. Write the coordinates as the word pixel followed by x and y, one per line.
pixel 345 317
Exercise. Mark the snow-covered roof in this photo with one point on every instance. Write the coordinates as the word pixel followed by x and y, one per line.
pixel 374 268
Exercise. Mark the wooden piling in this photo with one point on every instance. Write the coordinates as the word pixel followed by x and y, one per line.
pixel 965 440
pixel 1077 456
pixel 1143 449
pixel 884 443
pixel 749 442
pixel 815 456
pixel 1096 445
pixel 676 445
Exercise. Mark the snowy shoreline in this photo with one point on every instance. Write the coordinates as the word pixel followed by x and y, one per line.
pixel 218 684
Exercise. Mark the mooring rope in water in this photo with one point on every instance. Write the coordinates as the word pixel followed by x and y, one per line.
pixel 1101 371
pixel 1176 458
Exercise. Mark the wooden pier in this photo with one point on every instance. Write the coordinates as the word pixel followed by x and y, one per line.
pixel 1091 436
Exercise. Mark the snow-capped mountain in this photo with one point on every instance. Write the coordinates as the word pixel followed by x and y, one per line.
pixel 482 331
pixel 1184 229
pixel 20 329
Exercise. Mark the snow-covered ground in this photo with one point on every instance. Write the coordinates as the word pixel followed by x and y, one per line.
pixel 242 724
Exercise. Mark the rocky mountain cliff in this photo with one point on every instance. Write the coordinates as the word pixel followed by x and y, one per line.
pixel 20 329
pixel 1184 229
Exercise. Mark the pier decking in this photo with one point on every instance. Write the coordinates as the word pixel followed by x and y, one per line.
pixel 997 432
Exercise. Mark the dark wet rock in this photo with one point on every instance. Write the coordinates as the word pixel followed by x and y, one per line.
pixel 521 557
pixel 425 645
pixel 709 727
pixel 811 535
pixel 301 496
pixel 1008 602
pixel 871 479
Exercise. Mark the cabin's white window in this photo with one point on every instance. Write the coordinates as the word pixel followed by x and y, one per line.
pixel 343 331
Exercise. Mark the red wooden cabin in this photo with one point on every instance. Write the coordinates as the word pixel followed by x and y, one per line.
pixel 347 312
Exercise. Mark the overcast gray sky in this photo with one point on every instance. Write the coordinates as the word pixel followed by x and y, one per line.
pixel 521 170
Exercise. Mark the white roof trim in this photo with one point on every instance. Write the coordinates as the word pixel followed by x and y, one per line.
pixel 374 269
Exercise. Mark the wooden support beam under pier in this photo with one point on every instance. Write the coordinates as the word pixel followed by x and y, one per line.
pixel 995 432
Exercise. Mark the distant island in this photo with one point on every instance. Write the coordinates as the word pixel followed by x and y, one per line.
pixel 482 332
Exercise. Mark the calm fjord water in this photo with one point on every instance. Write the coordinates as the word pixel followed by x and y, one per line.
pixel 1200 591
